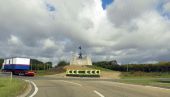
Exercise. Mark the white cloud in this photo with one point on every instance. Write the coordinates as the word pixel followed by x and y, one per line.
pixel 48 44
pixel 167 7
pixel 14 40
pixel 123 11
pixel 128 30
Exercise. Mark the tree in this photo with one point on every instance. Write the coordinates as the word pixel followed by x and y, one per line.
pixel 39 65
pixel 48 65
pixel 63 63
pixel 1 62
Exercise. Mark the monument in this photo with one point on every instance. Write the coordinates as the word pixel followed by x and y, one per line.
pixel 80 59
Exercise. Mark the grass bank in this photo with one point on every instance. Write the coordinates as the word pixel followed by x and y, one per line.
pixel 99 68
pixel 128 75
pixel 50 72
pixel 105 73
pixel 157 79
pixel 11 88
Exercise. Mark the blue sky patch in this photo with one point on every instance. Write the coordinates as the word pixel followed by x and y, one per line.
pixel 162 11
pixel 50 7
pixel 105 3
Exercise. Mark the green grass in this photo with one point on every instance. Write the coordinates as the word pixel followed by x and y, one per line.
pixel 125 75
pixel 143 78
pixel 62 70
pixel 99 68
pixel 11 88
pixel 44 72
pixel 50 72
pixel 164 83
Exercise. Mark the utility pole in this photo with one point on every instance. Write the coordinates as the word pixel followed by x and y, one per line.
pixel 127 68
pixel 44 66
pixel 31 66
pixel 48 66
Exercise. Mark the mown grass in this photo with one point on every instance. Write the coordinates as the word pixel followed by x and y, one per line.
pixel 44 72
pixel 153 79
pixel 50 72
pixel 11 88
pixel 62 70
pixel 125 75
pixel 99 68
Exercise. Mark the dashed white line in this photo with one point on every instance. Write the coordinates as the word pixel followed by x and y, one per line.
pixel 98 93
pixel 72 83
pixel 35 91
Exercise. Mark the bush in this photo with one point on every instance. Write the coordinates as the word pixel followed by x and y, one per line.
pixel 159 67
pixel 63 63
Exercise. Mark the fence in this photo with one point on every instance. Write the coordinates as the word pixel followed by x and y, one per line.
pixel 83 73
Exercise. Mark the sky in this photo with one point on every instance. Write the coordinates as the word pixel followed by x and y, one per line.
pixel 129 31
pixel 105 3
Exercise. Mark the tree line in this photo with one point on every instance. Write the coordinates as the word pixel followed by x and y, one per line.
pixel 158 67
pixel 39 65
pixel 1 62
pixel 62 63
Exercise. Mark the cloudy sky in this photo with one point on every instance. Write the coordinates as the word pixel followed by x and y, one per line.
pixel 130 31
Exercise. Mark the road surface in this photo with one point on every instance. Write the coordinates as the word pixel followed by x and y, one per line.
pixel 68 87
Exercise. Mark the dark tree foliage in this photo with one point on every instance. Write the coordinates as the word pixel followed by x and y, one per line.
pixel 1 62
pixel 63 63
pixel 38 65
pixel 159 67
pixel 49 64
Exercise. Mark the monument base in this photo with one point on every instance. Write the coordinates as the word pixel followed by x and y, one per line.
pixel 81 62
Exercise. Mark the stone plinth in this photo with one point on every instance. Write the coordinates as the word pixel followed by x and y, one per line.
pixel 80 61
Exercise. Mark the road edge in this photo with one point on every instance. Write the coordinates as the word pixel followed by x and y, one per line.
pixel 35 91
pixel 28 89
pixel 149 86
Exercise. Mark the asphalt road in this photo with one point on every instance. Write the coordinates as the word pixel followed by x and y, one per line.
pixel 70 87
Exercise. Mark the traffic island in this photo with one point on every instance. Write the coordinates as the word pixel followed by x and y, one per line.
pixel 83 73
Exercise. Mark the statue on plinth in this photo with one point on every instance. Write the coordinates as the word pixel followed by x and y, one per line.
pixel 80 59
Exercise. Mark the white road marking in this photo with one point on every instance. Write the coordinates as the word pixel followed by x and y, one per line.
pixel 98 93
pixel 36 89
pixel 72 83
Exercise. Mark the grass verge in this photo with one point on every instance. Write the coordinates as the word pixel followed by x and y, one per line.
pixel 11 88
pixel 143 78
pixel 63 69
pixel 99 68
pixel 50 72
pixel 128 75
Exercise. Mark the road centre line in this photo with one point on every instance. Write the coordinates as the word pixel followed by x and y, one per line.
pixel 98 93
pixel 72 83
